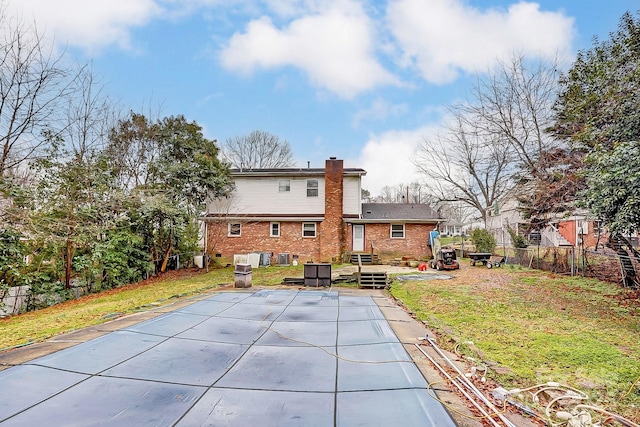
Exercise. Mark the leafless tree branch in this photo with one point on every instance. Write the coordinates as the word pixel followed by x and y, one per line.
pixel 258 150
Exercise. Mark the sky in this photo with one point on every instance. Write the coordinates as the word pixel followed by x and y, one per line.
pixel 361 80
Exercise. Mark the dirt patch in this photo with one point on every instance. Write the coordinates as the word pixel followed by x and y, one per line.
pixel 424 276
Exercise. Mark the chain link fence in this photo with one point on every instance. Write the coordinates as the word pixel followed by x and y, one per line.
pixel 604 264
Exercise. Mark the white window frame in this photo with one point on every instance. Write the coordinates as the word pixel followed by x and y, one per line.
pixel 231 226
pixel 315 230
pixel 271 233
pixel 284 185
pixel 392 231
pixel 312 189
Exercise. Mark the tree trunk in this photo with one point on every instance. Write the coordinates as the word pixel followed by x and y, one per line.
pixel 67 271
pixel 165 259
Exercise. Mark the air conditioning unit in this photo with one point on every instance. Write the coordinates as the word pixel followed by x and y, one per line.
pixel 283 259
pixel 265 258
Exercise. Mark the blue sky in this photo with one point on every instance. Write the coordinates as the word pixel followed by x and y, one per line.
pixel 364 81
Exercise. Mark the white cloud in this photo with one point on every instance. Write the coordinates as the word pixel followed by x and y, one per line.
pixel 88 24
pixel 334 47
pixel 387 158
pixel 443 37
pixel 290 8
pixel 379 111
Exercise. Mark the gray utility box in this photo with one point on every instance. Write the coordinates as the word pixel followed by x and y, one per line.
pixel 242 276
pixel 317 274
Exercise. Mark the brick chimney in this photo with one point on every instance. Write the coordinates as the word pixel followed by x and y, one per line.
pixel 332 228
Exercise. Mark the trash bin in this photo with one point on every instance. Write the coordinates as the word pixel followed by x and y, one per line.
pixel 242 276
pixel 317 274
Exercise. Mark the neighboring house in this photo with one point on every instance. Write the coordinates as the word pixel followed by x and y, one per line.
pixel 457 215
pixel 452 228
pixel 313 214
pixel 502 216
pixel 574 230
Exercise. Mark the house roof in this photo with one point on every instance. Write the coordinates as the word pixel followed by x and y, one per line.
pixel 453 223
pixel 399 212
pixel 293 172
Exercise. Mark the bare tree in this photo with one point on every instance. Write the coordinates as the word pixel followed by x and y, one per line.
pixel 258 150
pixel 513 103
pixel 89 115
pixel 403 193
pixel 462 165
pixel 455 211
pixel 33 82
pixel 495 139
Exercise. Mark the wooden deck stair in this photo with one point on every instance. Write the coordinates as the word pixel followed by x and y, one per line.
pixel 372 279
pixel 363 258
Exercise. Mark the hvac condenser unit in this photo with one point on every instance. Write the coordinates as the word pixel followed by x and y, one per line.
pixel 265 259
pixel 283 259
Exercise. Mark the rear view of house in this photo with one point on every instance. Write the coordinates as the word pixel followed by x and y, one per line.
pixel 313 215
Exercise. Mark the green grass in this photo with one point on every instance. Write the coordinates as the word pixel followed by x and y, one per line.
pixel 542 328
pixel 98 308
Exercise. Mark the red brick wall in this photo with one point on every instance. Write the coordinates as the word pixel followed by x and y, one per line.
pixel 413 245
pixel 332 229
pixel 255 238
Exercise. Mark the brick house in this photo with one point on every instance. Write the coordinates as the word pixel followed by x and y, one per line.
pixel 314 215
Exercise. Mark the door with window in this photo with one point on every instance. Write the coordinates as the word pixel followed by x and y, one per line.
pixel 358 237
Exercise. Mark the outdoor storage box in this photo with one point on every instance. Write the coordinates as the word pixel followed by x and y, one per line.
pixel 317 274
pixel 242 276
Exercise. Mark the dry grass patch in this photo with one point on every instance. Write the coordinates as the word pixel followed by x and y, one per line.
pixel 98 308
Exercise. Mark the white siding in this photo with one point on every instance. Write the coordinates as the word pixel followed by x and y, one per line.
pixel 255 196
pixel 352 195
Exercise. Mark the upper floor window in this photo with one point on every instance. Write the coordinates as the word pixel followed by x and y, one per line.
pixel 235 229
pixel 275 229
pixel 309 229
pixel 284 185
pixel 312 188
pixel 397 231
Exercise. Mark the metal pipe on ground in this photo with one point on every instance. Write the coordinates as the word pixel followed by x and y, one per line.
pixel 459 387
pixel 467 383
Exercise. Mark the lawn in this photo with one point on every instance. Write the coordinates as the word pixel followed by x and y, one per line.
pixel 535 326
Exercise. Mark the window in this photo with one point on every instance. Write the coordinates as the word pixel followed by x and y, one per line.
pixel 275 229
pixel 397 231
pixel 284 185
pixel 312 188
pixel 309 229
pixel 598 228
pixel 583 227
pixel 235 229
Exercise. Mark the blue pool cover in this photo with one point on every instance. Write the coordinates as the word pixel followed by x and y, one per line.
pixel 265 358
